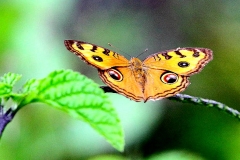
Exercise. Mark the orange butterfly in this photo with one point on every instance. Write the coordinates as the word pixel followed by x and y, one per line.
pixel 160 75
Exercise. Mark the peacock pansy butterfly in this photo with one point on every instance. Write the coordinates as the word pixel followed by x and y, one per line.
pixel 160 75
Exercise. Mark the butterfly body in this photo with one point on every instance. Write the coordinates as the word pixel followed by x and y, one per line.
pixel 138 71
pixel 160 75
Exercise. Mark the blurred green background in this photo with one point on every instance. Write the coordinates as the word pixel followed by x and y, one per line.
pixel 31 44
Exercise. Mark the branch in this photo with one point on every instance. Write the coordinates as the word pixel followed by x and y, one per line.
pixel 5 118
pixel 194 100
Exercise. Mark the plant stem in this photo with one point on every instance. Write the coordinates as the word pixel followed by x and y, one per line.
pixel 195 100
pixel 5 118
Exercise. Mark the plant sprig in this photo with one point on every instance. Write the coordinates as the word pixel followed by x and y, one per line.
pixel 195 100
pixel 66 90
pixel 81 98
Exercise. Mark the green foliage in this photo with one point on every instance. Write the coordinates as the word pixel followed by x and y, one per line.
pixel 7 82
pixel 175 154
pixel 73 93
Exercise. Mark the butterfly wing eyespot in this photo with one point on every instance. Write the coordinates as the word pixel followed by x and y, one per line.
pixel 183 64
pixel 169 78
pixel 115 74
pixel 97 58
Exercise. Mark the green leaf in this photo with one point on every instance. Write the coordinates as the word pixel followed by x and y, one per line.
pixel 30 86
pixel 6 83
pixel 72 93
pixel 83 99
pixel 10 78
pixel 175 154
pixel 5 89
pixel 28 92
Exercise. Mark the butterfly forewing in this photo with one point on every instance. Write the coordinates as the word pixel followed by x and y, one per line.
pixel 184 61
pixel 96 56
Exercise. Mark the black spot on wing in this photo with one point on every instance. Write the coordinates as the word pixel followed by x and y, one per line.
pixel 106 52
pixel 196 53
pixel 179 53
pixel 80 46
pixel 94 48
pixel 115 55
pixel 183 64
pixel 97 58
pixel 167 57
pixel 156 57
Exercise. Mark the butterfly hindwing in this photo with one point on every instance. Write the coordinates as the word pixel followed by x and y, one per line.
pixel 161 84
pixel 122 80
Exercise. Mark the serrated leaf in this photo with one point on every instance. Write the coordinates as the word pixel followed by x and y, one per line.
pixel 6 83
pixel 10 78
pixel 83 99
pixel 28 93
pixel 30 85
pixel 5 89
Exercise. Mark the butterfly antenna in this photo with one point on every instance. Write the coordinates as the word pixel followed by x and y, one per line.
pixel 142 52
pixel 118 49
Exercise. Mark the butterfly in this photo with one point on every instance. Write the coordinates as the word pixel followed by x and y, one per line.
pixel 160 75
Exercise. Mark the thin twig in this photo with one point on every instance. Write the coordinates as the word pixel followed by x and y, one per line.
pixel 5 118
pixel 194 100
